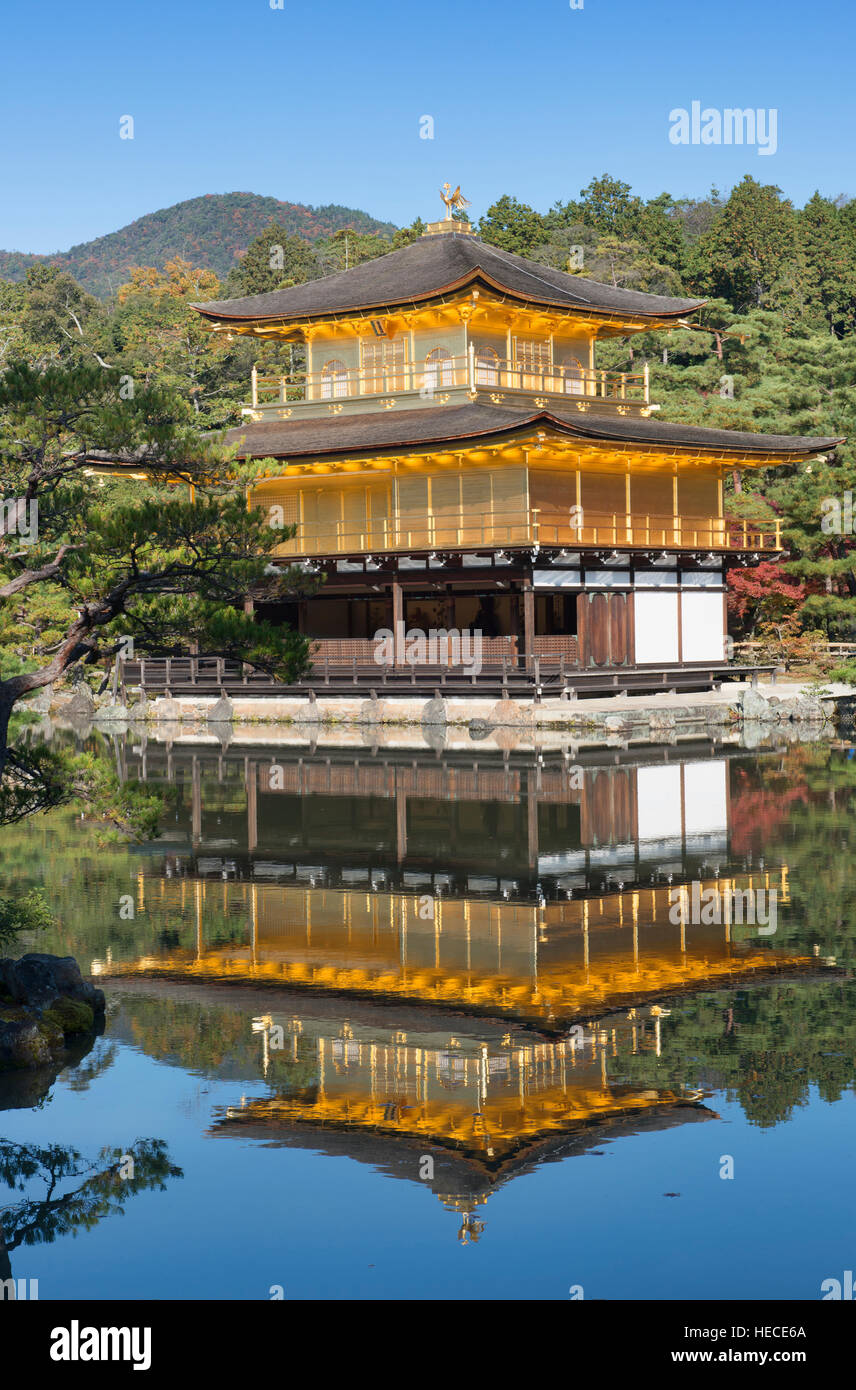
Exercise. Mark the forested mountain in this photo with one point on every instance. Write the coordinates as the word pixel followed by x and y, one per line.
pixel 211 231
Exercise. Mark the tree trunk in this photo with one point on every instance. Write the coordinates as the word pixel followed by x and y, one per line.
pixel 7 704
pixel 16 687
pixel 5 1262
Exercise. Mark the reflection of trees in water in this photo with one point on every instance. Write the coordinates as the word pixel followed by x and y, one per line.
pixel 107 1183
pixel 798 808
pixel 99 1061
pixel 32 780
pixel 84 883
pixel 215 1041
pixel 762 800
pixel 765 1047
pixel 37 777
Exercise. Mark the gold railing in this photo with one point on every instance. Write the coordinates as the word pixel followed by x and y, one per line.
pixel 464 530
pixel 468 370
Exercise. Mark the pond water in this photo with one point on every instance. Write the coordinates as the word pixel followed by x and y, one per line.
pixel 419 1023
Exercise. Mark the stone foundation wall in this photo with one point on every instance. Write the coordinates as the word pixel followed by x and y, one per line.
pixel 621 715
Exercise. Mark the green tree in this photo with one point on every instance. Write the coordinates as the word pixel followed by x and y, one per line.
pixel 141 559
pixel 57 320
pixel 749 254
pixel 347 248
pixel 28 912
pixel 275 259
pixel 828 242
pixel 157 337
pixel 513 226
pixel 609 205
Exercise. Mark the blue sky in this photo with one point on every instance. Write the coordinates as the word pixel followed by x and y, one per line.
pixel 321 103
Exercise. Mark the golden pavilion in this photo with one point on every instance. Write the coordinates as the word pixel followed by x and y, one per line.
pixel 452 457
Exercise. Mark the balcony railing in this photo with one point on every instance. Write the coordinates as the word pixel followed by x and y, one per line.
pixel 470 371
pixel 465 531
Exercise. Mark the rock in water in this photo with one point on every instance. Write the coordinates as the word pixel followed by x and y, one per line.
pixel 755 708
pixel 40 980
pixel 222 711
pixel 44 1000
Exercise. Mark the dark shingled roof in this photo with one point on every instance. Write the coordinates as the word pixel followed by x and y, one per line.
pixel 454 424
pixel 439 264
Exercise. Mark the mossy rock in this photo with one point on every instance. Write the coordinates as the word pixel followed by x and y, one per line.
pixel 52 1032
pixel 71 1015
pixel 22 1043
pixel 10 1012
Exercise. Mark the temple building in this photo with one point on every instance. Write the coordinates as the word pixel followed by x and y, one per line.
pixel 453 458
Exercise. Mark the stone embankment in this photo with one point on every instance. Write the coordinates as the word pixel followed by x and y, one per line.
pixel 733 707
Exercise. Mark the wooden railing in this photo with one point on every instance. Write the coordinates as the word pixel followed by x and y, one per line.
pixel 532 527
pixel 467 370
pixel 803 651
pixel 545 674
pixel 365 651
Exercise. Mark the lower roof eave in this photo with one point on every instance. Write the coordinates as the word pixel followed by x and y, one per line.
pixel 476 424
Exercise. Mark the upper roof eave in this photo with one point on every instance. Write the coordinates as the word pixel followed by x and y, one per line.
pixel 431 268
pixel 464 283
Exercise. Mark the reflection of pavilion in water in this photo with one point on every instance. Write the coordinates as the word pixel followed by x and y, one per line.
pixel 456 1112
pixel 539 893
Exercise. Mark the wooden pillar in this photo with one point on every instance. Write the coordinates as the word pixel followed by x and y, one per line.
pixel 449 608
pixel 528 623
pixel 397 621
pixel 532 818
pixel 249 610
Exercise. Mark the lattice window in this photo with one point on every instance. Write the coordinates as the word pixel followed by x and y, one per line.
pixel 574 378
pixel 334 379
pixel 487 366
pixel 383 364
pixel 439 368
pixel 532 354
